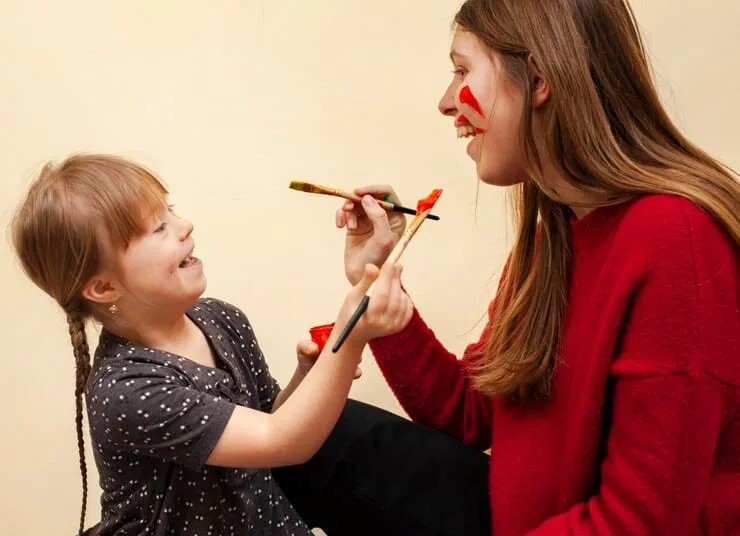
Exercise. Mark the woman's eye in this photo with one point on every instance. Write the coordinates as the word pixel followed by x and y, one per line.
pixel 161 228
pixel 460 72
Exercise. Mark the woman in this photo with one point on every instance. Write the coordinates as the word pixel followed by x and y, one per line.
pixel 606 381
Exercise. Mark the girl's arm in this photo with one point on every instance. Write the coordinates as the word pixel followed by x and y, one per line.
pixel 150 409
pixel 301 421
pixel 298 376
pixel 300 425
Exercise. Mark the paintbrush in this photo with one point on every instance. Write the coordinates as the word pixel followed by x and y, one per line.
pixel 318 189
pixel 423 208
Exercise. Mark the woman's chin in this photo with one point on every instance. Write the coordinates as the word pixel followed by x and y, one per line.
pixel 473 148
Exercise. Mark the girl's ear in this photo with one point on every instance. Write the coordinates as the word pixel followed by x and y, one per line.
pixel 101 289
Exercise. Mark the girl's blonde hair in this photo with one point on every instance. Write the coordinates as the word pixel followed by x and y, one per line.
pixel 57 232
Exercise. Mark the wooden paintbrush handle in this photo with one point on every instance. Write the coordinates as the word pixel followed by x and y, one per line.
pixel 394 256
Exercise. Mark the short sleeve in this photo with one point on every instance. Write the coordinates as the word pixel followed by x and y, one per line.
pixel 149 409
pixel 250 354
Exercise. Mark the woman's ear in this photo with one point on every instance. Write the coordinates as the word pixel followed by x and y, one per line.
pixel 539 84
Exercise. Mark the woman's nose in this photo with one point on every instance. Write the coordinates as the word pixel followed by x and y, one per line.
pixel 446 104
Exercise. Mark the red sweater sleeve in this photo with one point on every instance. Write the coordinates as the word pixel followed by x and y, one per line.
pixel 432 385
pixel 676 381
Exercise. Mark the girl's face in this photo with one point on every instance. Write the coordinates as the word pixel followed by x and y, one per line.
pixel 157 272
pixel 487 108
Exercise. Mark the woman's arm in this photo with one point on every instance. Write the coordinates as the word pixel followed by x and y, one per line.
pixel 432 385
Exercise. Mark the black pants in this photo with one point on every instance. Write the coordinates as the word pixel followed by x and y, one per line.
pixel 381 475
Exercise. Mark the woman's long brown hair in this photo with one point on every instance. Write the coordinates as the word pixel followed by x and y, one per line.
pixel 607 134
pixel 57 230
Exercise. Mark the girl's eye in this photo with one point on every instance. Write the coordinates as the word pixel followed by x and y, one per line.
pixel 161 228
pixel 460 72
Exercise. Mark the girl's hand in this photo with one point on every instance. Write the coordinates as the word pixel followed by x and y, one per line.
pixel 308 352
pixel 389 308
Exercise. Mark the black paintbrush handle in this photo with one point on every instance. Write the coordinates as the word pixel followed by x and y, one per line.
pixel 412 212
pixel 351 324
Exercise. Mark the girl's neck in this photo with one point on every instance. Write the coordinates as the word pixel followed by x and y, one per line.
pixel 162 333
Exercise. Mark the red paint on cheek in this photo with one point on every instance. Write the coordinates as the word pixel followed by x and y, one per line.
pixel 462 120
pixel 467 97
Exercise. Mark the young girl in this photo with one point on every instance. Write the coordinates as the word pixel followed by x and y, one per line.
pixel 185 419
pixel 606 383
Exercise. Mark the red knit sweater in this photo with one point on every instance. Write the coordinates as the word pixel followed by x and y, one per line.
pixel 642 433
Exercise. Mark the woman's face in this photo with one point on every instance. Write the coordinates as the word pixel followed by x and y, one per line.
pixel 487 108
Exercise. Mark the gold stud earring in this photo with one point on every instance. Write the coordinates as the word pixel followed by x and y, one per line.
pixel 113 309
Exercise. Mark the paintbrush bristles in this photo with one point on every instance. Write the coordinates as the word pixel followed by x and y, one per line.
pixel 302 186
pixel 313 188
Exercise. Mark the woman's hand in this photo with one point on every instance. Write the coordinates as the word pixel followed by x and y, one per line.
pixel 372 232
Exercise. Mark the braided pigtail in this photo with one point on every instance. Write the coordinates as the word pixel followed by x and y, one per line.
pixel 76 324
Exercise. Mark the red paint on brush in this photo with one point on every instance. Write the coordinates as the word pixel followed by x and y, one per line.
pixel 467 97
pixel 428 202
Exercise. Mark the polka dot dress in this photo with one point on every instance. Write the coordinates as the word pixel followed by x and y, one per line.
pixel 154 419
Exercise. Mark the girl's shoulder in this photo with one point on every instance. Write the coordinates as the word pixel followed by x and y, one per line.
pixel 220 309
pixel 117 359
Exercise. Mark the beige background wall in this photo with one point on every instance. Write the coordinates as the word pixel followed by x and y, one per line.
pixel 229 101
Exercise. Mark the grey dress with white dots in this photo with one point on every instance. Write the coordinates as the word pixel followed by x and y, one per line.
pixel 154 419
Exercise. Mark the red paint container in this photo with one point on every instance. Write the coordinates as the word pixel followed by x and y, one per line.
pixel 320 334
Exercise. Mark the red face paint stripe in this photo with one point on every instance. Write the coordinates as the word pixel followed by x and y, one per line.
pixel 467 97
pixel 428 202
pixel 462 120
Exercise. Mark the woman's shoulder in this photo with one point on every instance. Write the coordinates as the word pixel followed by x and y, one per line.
pixel 670 223
pixel 667 213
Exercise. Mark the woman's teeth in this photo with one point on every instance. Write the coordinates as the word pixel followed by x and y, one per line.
pixel 466 131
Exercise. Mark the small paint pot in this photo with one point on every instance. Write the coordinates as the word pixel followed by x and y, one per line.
pixel 320 334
